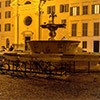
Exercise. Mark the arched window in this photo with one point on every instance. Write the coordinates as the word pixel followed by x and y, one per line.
pixel 27 2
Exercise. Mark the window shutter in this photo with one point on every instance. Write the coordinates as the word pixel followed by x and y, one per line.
pixel 93 8
pixel 71 11
pixel 78 10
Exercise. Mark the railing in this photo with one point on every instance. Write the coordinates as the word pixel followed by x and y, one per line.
pixel 47 64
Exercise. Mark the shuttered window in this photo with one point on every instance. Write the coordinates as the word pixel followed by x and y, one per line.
pixel 50 9
pixel 74 29
pixel 96 29
pixel 85 10
pixel 8 27
pixel 85 29
pixel 74 11
pixel 64 8
pixel 96 9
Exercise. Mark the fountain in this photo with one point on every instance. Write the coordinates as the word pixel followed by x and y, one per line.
pixel 52 46
pixel 51 57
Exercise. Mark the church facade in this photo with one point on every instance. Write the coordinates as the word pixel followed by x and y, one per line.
pixel 82 19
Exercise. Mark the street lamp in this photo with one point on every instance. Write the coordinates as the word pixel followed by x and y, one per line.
pixel 17 23
pixel 40 16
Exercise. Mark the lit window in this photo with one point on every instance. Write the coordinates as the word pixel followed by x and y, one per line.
pixel 7 3
pixel 74 11
pixel 7 27
pixel 96 9
pixel 7 14
pixel 50 9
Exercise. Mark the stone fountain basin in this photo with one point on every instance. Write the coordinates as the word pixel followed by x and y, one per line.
pixel 53 47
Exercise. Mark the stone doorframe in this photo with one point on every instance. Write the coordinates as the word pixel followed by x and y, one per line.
pixel 27 33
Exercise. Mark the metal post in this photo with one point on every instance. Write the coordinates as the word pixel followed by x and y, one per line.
pixel 89 66
pixel 39 20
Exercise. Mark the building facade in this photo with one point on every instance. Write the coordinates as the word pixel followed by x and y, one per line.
pixel 82 19
pixel 6 23
pixel 84 24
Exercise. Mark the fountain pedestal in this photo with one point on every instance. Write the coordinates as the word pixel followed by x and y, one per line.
pixel 52 27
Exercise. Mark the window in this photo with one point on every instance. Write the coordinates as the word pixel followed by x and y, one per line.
pixel 27 2
pixel 0 4
pixel 63 21
pixel 85 10
pixel 7 43
pixel 61 8
pixel 96 46
pixel 96 28
pixel 84 44
pixel 96 9
pixel 7 3
pixel 50 9
pixel 0 27
pixel 0 15
pixel 85 29
pixel 64 8
pixel 7 27
pixel 27 20
pixel 74 29
pixel 7 14
pixel 74 11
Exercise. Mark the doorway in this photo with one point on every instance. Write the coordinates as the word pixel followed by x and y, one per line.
pixel 27 38
pixel 96 46
pixel 7 43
